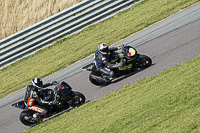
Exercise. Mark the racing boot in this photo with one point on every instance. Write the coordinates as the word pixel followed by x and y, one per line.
pixel 37 117
pixel 107 74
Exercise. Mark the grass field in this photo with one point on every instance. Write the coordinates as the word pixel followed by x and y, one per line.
pixel 17 15
pixel 167 102
pixel 83 44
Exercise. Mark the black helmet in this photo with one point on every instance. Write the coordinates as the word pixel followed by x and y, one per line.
pixel 37 82
pixel 103 48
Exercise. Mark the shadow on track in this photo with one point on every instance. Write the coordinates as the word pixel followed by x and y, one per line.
pixel 125 76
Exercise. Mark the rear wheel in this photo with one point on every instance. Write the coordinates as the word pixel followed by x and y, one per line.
pixel 78 99
pixel 143 61
pixel 26 117
pixel 95 78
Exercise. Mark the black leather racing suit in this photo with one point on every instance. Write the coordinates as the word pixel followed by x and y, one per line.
pixel 103 63
pixel 33 101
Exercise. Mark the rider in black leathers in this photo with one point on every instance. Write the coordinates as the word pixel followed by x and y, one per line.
pixel 32 99
pixel 103 60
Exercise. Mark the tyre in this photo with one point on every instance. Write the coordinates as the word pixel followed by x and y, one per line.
pixel 143 61
pixel 78 99
pixel 97 81
pixel 26 117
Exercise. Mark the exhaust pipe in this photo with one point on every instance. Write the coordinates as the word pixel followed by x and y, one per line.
pixel 99 78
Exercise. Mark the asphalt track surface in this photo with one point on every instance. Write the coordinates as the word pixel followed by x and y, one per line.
pixel 169 42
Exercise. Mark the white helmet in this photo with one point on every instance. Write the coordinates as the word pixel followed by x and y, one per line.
pixel 103 48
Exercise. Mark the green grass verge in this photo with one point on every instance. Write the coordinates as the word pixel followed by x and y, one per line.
pixel 167 102
pixel 79 46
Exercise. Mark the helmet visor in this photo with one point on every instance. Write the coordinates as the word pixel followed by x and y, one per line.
pixel 104 50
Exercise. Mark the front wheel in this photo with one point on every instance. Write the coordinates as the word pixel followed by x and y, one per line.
pixel 78 99
pixel 143 61
pixel 26 117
